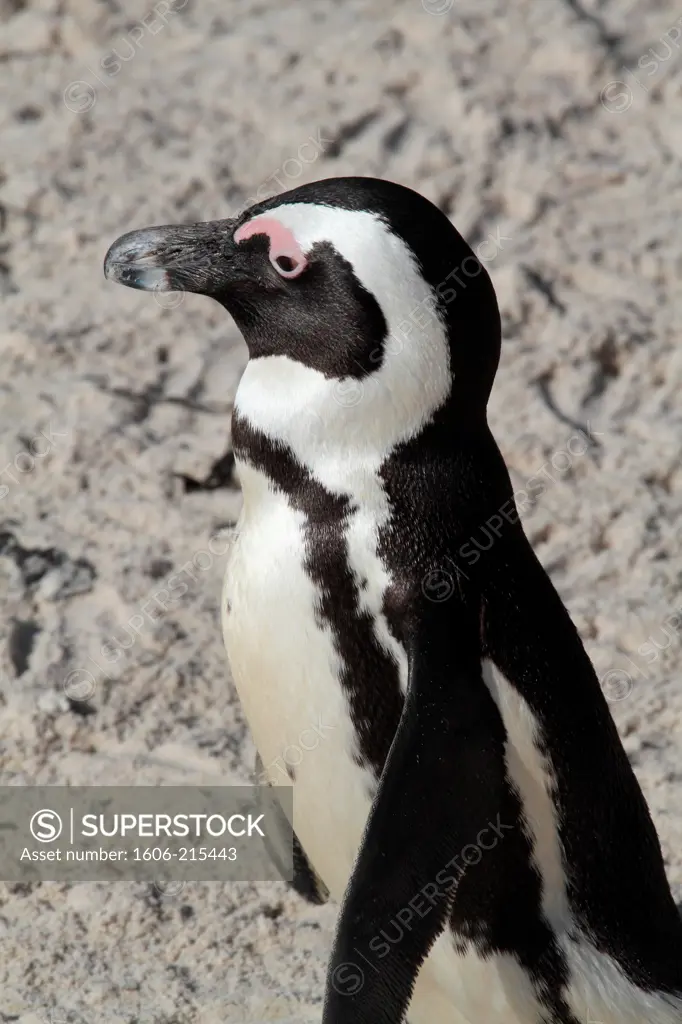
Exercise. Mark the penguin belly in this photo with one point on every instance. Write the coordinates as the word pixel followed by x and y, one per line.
pixel 286 671
pixel 287 674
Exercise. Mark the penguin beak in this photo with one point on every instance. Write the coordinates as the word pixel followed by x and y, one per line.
pixel 175 258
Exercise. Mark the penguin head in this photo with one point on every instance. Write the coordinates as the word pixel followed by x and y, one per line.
pixel 341 288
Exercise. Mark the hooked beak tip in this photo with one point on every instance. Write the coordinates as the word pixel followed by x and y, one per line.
pixel 132 260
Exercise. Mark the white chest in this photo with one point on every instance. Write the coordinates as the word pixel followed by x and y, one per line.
pixel 286 667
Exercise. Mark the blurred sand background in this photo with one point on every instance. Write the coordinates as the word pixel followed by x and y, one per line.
pixel 115 115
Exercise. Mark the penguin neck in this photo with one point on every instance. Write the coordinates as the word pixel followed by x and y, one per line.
pixel 334 426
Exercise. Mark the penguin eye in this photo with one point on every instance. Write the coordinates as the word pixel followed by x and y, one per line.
pixel 288 264
pixel 285 254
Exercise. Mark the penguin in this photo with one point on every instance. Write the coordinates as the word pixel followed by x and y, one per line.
pixel 459 784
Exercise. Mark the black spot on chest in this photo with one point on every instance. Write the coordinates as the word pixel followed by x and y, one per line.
pixel 369 672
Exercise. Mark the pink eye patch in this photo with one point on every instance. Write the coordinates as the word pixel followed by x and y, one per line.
pixel 285 252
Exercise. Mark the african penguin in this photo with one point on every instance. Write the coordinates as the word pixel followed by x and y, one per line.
pixel 459 784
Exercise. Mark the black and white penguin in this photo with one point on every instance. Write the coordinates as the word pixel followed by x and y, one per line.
pixel 459 784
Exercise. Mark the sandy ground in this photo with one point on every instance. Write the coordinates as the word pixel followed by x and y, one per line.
pixel 113 117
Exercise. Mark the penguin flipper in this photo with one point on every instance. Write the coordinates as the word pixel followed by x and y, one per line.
pixel 305 881
pixel 442 783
